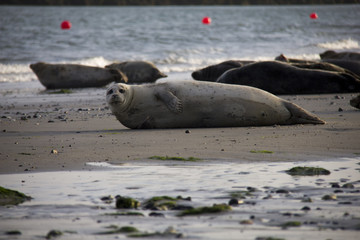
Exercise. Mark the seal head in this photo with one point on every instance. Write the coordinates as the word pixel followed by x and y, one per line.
pixel 119 97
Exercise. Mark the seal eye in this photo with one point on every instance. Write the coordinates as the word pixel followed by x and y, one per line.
pixel 121 90
pixel 110 92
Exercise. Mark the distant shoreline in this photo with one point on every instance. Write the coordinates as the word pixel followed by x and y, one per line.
pixel 171 2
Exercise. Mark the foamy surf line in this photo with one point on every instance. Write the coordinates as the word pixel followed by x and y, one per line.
pixel 340 44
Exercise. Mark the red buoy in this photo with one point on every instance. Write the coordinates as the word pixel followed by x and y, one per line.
pixel 206 20
pixel 65 25
pixel 313 15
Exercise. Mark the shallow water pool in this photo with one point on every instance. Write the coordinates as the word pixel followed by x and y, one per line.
pixel 269 198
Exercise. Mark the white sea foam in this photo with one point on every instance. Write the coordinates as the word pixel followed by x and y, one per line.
pixel 16 73
pixel 340 44
pixel 94 61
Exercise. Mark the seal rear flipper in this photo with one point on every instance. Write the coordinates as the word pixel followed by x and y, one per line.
pixel 173 103
pixel 300 115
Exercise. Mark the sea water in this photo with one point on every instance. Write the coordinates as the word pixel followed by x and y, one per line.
pixel 173 38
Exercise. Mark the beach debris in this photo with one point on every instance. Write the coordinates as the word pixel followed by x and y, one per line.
pixel 307 171
pixel 54 151
pixel 216 208
pixel 246 222
pixel 235 202
pixel 329 197
pixel 107 199
pixel 126 202
pixel 190 159
pixel 306 199
pixel 12 197
pixel 53 234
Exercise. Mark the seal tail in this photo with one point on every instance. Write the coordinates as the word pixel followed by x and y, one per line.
pixel 301 116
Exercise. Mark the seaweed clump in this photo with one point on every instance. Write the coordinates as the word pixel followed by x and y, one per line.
pixel 11 197
pixel 126 202
pixel 216 208
pixel 307 171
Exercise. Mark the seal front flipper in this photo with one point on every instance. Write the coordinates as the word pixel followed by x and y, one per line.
pixel 172 102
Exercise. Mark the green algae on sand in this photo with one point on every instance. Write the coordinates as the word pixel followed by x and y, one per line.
pixel 190 159
pixel 307 171
pixel 216 208
pixel 11 197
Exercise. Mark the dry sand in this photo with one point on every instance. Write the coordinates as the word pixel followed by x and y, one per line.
pixel 63 132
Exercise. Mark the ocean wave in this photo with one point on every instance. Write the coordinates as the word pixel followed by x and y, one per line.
pixel 340 44
pixel 16 73
pixel 94 62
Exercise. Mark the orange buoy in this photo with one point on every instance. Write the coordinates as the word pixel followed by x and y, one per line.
pixel 206 20
pixel 313 15
pixel 65 25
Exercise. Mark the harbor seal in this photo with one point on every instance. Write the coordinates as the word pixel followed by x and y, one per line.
pixel 340 55
pixel 197 104
pixel 213 72
pixel 138 71
pixel 54 76
pixel 282 78
pixel 350 65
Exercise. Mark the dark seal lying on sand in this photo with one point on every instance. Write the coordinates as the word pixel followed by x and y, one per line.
pixel 195 104
pixel 54 76
pixel 350 65
pixel 138 71
pixel 340 55
pixel 282 78
pixel 213 72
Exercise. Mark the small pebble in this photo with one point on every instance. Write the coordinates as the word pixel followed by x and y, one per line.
pixel 54 151
pixel 306 208
pixel 187 131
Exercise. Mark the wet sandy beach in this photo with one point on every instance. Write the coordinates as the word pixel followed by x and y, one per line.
pixel 80 128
